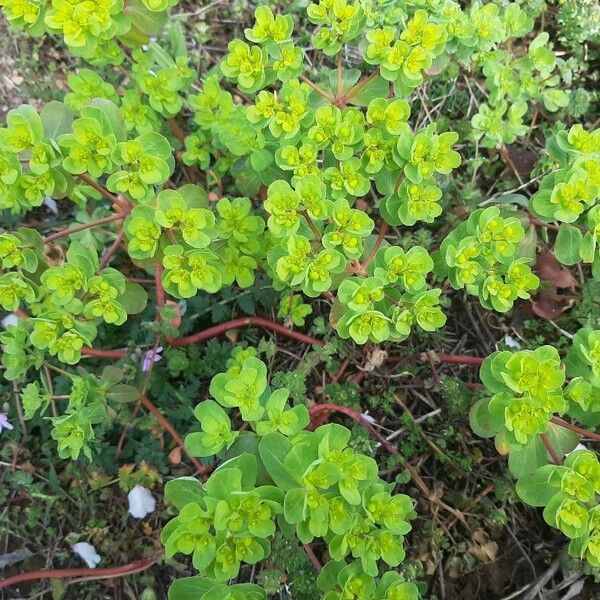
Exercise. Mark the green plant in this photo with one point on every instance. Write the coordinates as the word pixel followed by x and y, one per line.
pixel 569 195
pixel 273 174
pixel 277 474
pixel 533 390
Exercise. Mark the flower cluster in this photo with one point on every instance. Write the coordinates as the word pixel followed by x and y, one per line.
pixel 90 29
pixel 513 83
pixel 569 194
pixel 531 390
pixel 481 256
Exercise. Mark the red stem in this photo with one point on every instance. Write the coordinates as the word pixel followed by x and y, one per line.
pixel 84 226
pixel 459 359
pixel 202 469
pixel 216 330
pixel 576 428
pixel 160 290
pixel 135 567
pixel 100 353
pixel 312 557
pixel 211 332
pixel 551 451
pixel 100 188
pixel 111 251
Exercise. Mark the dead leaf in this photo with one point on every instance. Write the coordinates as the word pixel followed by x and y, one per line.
pixel 484 549
pixel 375 359
pixel 549 304
pixel 549 269
pixel 175 456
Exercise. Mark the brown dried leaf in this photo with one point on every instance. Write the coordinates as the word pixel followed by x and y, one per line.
pixel 484 550
pixel 548 304
pixel 175 456
pixel 550 270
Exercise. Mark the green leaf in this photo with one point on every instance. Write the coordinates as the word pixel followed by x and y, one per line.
pixel 223 482
pixel 107 113
pixel 190 588
pixel 57 119
pixel 534 488
pixel 261 159
pixel 182 491
pixel 376 88
pixel 145 20
pixel 566 247
pixel 273 450
pixel 123 393
pixel 134 299
pixel 482 422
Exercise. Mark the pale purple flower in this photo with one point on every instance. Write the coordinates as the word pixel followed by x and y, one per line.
pixel 150 357
pixel 4 423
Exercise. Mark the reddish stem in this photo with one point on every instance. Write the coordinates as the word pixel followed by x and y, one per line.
pixel 353 91
pixel 459 359
pixel 540 223
pixel 100 353
pixel 135 567
pixel 84 226
pixel 312 557
pixel 160 290
pixel 202 469
pixel 315 415
pixel 380 237
pixel 318 89
pixel 576 428
pixel 212 332
pixel 100 188
pixel 111 251
pixel 551 451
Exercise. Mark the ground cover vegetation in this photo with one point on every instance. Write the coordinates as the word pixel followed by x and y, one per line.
pixel 284 267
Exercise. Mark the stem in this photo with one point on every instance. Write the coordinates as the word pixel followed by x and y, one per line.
pixel 458 359
pixel 551 451
pixel 340 81
pixel 540 223
pixel 382 231
pixel 211 332
pixel 135 567
pixel 202 469
pixel 312 557
pixel 353 91
pixel 84 226
pixel 576 428
pixel 160 290
pixel 100 353
pixel 318 89
pixel 100 188
pixel 111 251
pixel 312 225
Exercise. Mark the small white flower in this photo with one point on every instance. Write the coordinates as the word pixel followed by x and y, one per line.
pixel 141 502
pixel 510 341
pixel 578 447
pixel 368 418
pixel 88 553
pixel 51 205
pixel 11 319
